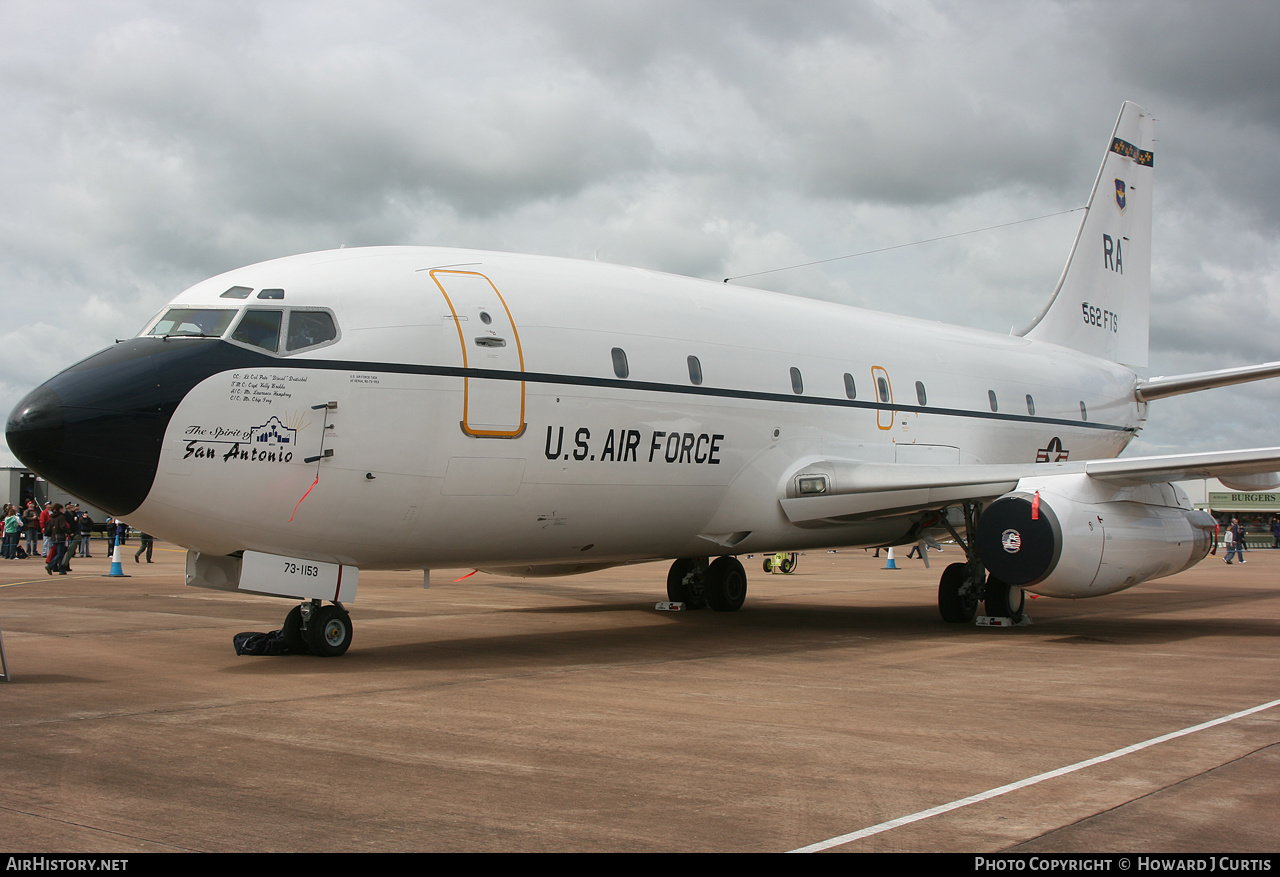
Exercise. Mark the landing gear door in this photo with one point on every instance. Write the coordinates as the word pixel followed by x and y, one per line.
pixel 492 407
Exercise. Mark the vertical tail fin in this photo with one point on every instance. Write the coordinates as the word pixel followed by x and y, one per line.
pixel 1102 303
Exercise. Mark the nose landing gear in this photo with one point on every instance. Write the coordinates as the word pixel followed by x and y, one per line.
pixel 318 630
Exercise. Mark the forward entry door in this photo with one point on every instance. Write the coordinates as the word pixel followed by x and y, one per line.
pixel 493 395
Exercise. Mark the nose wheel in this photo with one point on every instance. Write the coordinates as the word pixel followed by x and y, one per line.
pixel 313 629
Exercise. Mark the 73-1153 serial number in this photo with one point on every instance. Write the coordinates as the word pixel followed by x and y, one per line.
pixel 300 569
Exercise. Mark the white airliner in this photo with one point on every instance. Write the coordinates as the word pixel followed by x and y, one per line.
pixel 295 421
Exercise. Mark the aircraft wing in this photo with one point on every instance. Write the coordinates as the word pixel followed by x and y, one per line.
pixel 836 492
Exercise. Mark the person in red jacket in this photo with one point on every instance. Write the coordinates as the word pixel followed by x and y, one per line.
pixel 44 522
pixel 57 529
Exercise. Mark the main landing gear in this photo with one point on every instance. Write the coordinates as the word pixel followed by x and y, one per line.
pixel 964 585
pixel 318 630
pixel 722 585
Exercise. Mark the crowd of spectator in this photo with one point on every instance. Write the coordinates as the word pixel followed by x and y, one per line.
pixel 55 533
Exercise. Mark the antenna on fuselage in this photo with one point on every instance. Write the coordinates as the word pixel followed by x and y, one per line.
pixel 901 246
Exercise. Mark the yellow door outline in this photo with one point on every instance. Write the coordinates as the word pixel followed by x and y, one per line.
pixel 466 384
pixel 884 418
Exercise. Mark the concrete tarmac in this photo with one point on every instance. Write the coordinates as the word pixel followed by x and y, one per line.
pixel 567 714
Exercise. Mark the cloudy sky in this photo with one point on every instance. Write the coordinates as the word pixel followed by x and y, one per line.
pixel 146 146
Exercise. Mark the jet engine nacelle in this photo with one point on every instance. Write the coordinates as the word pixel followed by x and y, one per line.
pixel 1076 536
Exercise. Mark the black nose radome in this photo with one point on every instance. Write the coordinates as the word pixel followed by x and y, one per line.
pixel 35 427
pixel 96 429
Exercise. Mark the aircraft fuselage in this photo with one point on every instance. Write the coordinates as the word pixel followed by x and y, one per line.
pixel 510 411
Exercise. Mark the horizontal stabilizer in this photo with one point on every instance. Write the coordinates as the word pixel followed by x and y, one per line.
pixel 1176 385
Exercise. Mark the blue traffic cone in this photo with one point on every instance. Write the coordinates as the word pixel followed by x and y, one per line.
pixel 117 569
pixel 891 564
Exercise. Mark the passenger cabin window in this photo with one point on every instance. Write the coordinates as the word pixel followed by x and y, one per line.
pixel 259 329
pixel 695 370
pixel 883 386
pixel 991 398
pixel 1031 405
pixel 309 328
pixel 1084 412
pixel 797 382
pixel 620 367
pixel 200 322
pixel 850 389
pixel 271 293
pixel 920 394
pixel 237 292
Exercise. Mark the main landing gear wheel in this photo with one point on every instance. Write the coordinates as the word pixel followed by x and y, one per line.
pixel 686 582
pixel 329 631
pixel 957 596
pixel 726 585
pixel 1004 601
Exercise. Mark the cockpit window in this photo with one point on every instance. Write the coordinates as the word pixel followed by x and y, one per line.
pixel 202 322
pixel 257 327
pixel 271 293
pixel 309 328
pixel 260 329
pixel 237 292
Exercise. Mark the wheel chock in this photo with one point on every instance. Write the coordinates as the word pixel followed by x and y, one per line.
pixel 668 606
pixel 1000 621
